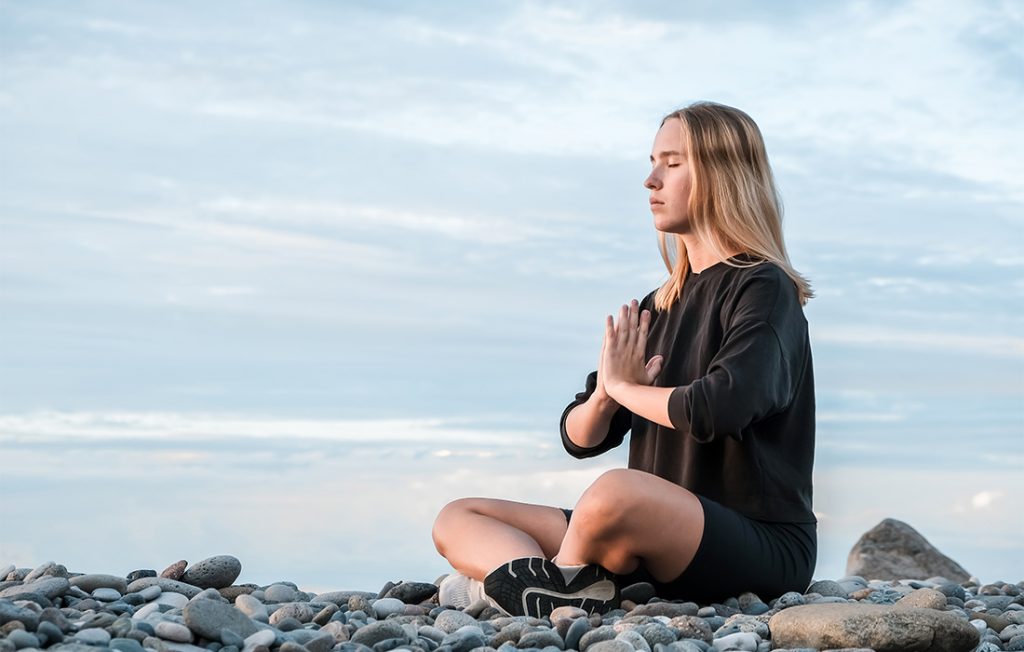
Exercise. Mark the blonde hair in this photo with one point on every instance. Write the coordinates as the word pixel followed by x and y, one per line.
pixel 733 201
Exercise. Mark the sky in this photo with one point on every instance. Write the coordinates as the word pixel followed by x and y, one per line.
pixel 280 280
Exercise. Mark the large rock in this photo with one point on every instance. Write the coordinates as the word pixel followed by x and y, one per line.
pixel 213 573
pixel 883 628
pixel 208 618
pixel 892 550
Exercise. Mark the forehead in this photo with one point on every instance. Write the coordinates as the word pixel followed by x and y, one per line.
pixel 669 139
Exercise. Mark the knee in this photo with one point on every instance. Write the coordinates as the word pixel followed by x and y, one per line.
pixel 603 506
pixel 443 521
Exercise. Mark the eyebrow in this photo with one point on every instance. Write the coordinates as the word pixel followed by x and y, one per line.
pixel 667 154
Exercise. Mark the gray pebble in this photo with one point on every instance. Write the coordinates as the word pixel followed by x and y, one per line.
pixel 279 593
pixel 384 607
pixel 208 619
pixel 412 592
pixel 611 646
pixel 579 627
pixel 93 636
pixel 229 637
pixel 450 620
pixel 106 595
pixel 376 632
pixel 48 587
pixel 92 581
pixel 252 608
pixel 602 633
pixel 541 638
pixel 139 574
pixel 126 645
pixel 634 639
pixel 50 632
pixel 150 593
pixel 828 589
pixel 23 639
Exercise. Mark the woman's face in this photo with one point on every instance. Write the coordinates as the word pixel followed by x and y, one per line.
pixel 669 180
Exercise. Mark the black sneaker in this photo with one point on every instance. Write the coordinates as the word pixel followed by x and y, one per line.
pixel 534 586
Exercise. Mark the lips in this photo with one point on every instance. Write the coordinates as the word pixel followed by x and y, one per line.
pixel 655 201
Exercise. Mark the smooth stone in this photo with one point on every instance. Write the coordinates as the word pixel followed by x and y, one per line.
pixel 370 635
pixel 171 646
pixel 667 609
pixel 145 610
pixel 10 612
pixel 450 620
pixel 230 638
pixel 40 570
pixel 125 645
pixel 541 638
pixel 51 632
pixel 464 639
pixel 279 593
pixel 566 613
pixel 92 581
pixel 384 607
pixel 172 599
pixel 93 636
pixel 321 642
pixel 689 646
pixel 48 587
pixel 893 550
pixel 657 633
pixel 597 635
pixel 577 629
pixel 215 572
pixel 828 589
pixel 880 627
pixel 150 593
pixel 231 592
pixel 634 639
pixel 342 597
pixel 252 608
pixel 613 645
pixel 789 599
pixel 300 611
pixel 324 615
pixel 747 641
pixel 925 598
pixel 207 618
pixel 175 570
pixel 22 639
pixel 139 574
pixel 173 632
pixel 6 570
pixel 264 637
pixel 412 592
pixel 106 595
pixel 166 585
pixel 639 593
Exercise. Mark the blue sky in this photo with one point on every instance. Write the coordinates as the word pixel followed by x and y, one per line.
pixel 309 245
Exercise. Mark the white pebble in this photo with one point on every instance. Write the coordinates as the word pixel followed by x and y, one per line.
pixel 387 606
pixel 173 632
pixel 175 600
pixel 746 641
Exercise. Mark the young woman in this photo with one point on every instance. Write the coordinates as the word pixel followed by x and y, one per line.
pixel 712 374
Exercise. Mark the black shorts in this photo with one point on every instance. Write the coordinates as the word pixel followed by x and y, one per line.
pixel 738 554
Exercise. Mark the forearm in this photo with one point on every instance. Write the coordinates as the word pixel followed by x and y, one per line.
pixel 645 401
pixel 587 424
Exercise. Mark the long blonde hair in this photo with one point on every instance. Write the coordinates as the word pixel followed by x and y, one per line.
pixel 733 201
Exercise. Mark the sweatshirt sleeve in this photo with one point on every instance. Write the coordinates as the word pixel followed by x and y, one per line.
pixel 620 425
pixel 752 375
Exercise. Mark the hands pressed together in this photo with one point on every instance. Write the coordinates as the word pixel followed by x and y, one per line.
pixel 623 350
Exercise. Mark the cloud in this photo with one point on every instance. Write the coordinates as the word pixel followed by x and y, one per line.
pixel 877 336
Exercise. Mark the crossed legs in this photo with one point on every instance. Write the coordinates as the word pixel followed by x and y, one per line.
pixel 625 518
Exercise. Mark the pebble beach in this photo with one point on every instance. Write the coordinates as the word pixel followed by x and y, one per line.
pixel 201 607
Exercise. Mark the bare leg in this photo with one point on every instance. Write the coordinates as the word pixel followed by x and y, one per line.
pixel 476 535
pixel 627 517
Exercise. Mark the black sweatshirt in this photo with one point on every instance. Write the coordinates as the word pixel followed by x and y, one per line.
pixel 737 351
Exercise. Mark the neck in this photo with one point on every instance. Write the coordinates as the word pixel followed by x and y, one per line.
pixel 700 256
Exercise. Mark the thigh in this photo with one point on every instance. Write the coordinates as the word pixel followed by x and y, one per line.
pixel 545 525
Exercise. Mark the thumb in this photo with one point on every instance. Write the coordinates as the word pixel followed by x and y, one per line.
pixel 654 366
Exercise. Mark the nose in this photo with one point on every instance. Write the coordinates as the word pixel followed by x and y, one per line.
pixel 652 182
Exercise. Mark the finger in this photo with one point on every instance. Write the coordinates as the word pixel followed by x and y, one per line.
pixel 634 314
pixel 623 329
pixel 645 324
